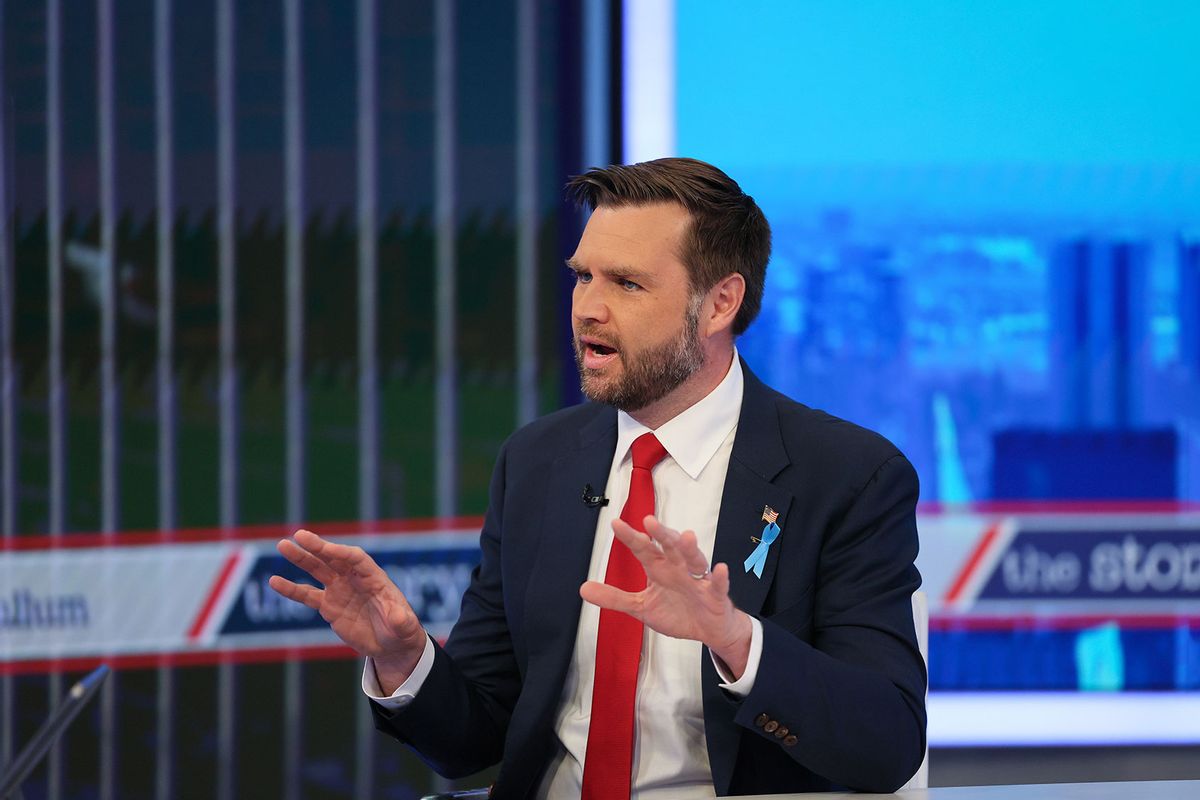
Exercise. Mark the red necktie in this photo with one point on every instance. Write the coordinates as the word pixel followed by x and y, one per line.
pixel 608 765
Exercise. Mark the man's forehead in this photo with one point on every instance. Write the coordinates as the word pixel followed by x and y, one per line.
pixel 645 231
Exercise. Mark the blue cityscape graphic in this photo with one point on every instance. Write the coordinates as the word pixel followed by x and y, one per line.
pixel 1007 363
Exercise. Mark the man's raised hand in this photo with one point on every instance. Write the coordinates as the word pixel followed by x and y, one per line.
pixel 675 601
pixel 359 601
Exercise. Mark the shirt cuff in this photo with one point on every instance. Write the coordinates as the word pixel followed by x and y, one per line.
pixel 741 687
pixel 407 690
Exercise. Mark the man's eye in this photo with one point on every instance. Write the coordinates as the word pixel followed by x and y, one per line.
pixel 629 285
pixel 583 277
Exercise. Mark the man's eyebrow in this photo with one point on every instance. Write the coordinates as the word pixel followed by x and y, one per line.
pixel 619 272
pixel 622 271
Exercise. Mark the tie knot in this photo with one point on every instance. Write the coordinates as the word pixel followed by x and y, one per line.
pixel 647 451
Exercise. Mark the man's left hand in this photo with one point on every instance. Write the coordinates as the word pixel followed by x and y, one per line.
pixel 675 602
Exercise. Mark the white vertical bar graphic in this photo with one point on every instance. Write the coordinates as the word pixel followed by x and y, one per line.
pixel 8 378
pixel 446 392
pixel 229 378
pixel 164 743
pixel 56 400
pixel 54 213
pixel 649 87
pixel 109 419
pixel 227 266
pixel 368 338
pixel 294 365
pixel 165 200
pixel 8 389
pixel 527 211
pixel 596 114
pixel 294 300
pixel 368 261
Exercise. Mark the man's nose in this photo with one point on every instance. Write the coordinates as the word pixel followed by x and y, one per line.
pixel 588 304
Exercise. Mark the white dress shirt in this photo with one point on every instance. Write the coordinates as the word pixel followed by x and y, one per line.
pixel 670 716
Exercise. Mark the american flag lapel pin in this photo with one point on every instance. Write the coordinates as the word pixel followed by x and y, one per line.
pixel 770 533
pixel 769 516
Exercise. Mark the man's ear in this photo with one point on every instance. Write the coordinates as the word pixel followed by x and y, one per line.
pixel 723 302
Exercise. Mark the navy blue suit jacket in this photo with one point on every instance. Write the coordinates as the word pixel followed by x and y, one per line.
pixel 840 667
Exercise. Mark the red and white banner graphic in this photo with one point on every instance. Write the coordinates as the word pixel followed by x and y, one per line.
pixel 139 599
pixel 1137 564
pixel 199 596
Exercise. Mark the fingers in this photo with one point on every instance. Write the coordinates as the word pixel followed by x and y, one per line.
pixel 680 548
pixel 300 592
pixel 340 558
pixel 305 560
pixel 642 546
pixel 326 560
pixel 659 541
pixel 667 538
pixel 662 543
pixel 720 579
pixel 605 596
pixel 693 558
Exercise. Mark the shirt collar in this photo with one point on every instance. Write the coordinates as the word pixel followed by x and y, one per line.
pixel 692 437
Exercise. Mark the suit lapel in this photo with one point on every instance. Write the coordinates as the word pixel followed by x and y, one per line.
pixel 565 548
pixel 758 457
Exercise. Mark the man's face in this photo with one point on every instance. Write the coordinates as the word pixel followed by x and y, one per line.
pixel 633 315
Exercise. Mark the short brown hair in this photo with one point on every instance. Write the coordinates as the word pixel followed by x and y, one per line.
pixel 728 234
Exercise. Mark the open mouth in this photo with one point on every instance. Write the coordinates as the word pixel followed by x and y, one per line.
pixel 596 353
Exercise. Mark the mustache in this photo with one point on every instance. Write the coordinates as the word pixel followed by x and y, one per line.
pixel 596 332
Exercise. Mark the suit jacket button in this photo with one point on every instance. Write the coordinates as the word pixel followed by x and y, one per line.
pixel 761 719
pixel 771 726
pixel 781 732
pixel 790 741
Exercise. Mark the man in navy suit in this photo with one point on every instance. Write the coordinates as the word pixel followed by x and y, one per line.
pixel 791 665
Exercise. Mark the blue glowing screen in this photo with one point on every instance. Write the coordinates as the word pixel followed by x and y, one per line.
pixel 987 228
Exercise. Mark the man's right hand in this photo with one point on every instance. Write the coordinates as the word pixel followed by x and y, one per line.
pixel 360 602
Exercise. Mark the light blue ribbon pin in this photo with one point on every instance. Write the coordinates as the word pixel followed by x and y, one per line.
pixel 770 533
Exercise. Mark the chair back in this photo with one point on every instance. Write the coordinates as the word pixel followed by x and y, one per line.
pixel 920 609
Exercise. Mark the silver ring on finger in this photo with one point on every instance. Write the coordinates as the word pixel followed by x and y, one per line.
pixel 700 575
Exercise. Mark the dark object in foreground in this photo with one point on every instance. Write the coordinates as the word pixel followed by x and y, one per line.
pixel 77 697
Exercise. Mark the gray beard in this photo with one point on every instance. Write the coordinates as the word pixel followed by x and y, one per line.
pixel 651 375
